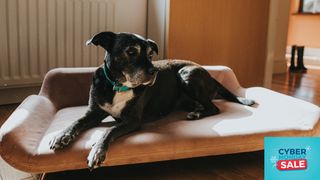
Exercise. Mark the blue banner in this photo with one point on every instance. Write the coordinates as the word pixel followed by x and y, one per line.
pixel 292 158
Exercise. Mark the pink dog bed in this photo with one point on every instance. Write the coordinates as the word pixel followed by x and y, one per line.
pixel 25 136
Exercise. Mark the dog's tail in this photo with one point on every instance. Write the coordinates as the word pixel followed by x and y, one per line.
pixel 229 96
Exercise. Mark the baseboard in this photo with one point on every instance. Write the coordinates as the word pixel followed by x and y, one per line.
pixel 307 60
pixel 311 56
pixel 16 95
pixel 311 61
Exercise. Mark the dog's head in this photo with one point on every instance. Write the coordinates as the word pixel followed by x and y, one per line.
pixel 128 57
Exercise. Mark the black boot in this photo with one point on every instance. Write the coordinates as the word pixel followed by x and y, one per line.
pixel 292 67
pixel 300 65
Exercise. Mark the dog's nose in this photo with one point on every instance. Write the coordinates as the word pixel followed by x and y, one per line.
pixel 152 70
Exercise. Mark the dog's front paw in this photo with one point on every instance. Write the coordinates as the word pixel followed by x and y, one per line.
pixel 193 115
pixel 96 156
pixel 61 140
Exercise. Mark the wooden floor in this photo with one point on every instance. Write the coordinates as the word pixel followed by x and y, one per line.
pixel 237 166
pixel 303 86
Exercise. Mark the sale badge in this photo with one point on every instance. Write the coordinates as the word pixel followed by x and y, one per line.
pixel 292 158
pixel 294 164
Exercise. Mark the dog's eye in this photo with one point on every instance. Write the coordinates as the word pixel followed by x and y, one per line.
pixel 150 55
pixel 131 52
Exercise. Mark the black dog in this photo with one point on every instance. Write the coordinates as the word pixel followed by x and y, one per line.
pixel 133 90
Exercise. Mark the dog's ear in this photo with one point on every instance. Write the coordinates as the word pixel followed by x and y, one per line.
pixel 153 45
pixel 103 39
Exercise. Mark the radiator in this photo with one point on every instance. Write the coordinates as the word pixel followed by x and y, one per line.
pixel 38 35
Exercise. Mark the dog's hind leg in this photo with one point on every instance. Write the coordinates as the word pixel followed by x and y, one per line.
pixel 194 81
pixel 227 95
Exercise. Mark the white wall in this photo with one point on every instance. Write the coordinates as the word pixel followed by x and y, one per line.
pixel 156 24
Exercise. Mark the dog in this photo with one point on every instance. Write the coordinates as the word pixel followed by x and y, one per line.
pixel 133 89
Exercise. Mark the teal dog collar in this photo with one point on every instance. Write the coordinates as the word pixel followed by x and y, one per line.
pixel 116 86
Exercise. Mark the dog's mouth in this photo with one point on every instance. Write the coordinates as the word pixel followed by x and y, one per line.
pixel 130 84
pixel 152 80
pixel 136 80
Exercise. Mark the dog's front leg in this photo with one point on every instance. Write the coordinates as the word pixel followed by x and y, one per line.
pixel 98 152
pixel 91 119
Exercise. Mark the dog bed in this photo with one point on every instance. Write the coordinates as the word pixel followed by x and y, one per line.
pixel 25 136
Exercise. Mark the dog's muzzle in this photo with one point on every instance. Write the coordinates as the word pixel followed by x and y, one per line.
pixel 140 78
pixel 152 79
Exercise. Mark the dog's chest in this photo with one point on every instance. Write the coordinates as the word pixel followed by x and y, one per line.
pixel 119 101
